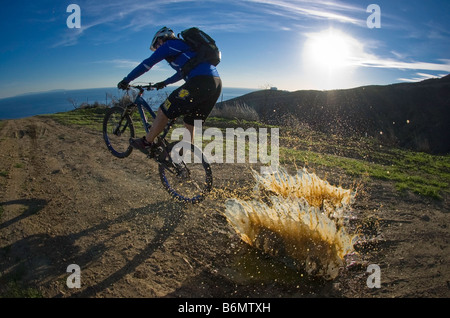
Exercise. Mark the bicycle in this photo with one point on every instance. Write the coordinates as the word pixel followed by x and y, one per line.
pixel 183 169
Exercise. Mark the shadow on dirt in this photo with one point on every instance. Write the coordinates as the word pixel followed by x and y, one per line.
pixel 48 256
pixel 172 217
pixel 33 207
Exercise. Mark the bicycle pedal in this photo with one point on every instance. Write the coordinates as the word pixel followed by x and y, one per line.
pixel 158 154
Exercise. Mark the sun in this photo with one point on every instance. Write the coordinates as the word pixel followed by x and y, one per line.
pixel 329 50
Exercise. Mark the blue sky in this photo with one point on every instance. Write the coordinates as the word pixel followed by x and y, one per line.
pixel 292 45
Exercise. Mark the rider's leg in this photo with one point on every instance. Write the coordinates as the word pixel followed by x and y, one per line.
pixel 157 127
pixel 190 128
pixel 145 144
pixel 194 100
pixel 160 123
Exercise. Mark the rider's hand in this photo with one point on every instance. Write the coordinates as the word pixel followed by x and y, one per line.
pixel 123 84
pixel 160 85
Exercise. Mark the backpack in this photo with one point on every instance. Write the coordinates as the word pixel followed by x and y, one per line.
pixel 203 45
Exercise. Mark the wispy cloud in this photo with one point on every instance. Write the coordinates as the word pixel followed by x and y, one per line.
pixel 136 15
pixel 420 77
pixel 128 64
pixel 121 63
pixel 335 11
pixel 356 53
pixel 117 16
pixel 123 16
pixel 376 62
pixel 398 61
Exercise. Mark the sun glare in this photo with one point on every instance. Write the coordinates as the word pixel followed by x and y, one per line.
pixel 329 50
pixel 329 59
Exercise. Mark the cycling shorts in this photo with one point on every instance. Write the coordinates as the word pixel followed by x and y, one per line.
pixel 194 100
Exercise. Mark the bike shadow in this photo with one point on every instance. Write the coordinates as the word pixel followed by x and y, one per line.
pixel 33 207
pixel 41 259
pixel 173 215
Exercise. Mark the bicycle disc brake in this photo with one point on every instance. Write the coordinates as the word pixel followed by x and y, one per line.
pixel 182 171
pixel 163 157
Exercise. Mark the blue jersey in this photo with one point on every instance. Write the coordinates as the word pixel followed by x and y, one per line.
pixel 177 53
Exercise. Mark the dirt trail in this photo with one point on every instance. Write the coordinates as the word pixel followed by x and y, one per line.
pixel 66 200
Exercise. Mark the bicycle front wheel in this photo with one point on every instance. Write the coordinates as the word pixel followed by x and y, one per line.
pixel 117 130
pixel 185 173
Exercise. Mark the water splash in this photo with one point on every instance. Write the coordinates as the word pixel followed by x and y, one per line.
pixel 301 218
pixel 334 201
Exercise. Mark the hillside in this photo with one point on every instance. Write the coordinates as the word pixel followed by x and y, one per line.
pixel 409 115
pixel 65 200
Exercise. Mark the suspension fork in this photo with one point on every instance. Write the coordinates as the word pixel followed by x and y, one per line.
pixel 117 130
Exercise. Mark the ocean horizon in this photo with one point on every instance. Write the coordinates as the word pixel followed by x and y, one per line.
pixel 55 101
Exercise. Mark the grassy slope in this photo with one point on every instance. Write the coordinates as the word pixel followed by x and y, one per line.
pixel 425 174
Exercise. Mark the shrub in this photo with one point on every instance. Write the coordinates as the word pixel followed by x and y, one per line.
pixel 235 110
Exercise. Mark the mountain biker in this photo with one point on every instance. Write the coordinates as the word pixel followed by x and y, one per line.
pixel 194 99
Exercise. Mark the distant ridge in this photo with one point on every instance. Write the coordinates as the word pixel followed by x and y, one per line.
pixel 409 115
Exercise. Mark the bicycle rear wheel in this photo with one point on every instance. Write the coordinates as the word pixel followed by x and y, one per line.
pixel 185 173
pixel 117 130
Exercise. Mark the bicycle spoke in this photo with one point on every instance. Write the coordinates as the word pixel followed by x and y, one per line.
pixel 192 180
pixel 117 130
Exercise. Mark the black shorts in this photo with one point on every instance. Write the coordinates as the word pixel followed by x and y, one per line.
pixel 195 99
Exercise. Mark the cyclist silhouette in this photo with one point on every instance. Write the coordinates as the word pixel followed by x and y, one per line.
pixel 194 99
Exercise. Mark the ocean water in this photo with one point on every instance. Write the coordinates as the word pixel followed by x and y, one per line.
pixel 64 100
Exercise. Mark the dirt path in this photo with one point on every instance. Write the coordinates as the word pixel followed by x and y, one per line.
pixel 65 200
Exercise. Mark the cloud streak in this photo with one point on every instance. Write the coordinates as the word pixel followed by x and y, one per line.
pixel 322 47
pixel 117 16
pixel 129 64
pixel 420 77
pixel 320 10
pixel 121 63
pixel 137 15
pixel 376 62
pixel 121 16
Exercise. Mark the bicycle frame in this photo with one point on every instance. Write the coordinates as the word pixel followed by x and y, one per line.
pixel 176 177
pixel 142 105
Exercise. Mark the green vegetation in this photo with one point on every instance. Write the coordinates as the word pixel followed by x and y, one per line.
pixel 422 173
pixel 15 290
pixel 90 117
pixel 10 286
pixel 425 174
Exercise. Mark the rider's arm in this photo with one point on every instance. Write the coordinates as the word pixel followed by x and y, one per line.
pixel 160 54
pixel 173 79
pixel 144 67
pixel 164 51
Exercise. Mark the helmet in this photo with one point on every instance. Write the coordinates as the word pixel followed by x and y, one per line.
pixel 165 33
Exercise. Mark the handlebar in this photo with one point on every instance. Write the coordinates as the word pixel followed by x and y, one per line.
pixel 141 88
